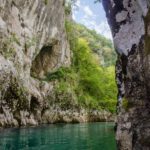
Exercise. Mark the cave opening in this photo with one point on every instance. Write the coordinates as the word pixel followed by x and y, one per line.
pixel 44 62
pixel 34 103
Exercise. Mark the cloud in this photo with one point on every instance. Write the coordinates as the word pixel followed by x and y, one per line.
pixel 101 28
pixel 75 8
pixel 88 12
pixel 89 19
pixel 78 3
pixel 73 16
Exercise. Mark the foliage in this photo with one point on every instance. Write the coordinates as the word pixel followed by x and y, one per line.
pixel 125 104
pixel 7 46
pixel 97 83
pixel 68 8
pixel 92 84
pixel 89 81
pixel 98 44
pixel 71 35
pixel 96 1
pixel 30 42
pixel 45 2
pixel 62 72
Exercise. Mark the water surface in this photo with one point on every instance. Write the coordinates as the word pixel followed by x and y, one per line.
pixel 88 136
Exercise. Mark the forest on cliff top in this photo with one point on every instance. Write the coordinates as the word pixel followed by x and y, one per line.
pixel 90 79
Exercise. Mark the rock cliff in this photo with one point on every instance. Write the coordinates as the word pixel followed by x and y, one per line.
pixel 33 43
pixel 130 24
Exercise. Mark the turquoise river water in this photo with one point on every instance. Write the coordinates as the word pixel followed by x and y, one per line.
pixel 86 136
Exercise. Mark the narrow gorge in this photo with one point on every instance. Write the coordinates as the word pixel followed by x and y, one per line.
pixel 54 70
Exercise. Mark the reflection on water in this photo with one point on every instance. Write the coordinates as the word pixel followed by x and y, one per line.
pixel 90 136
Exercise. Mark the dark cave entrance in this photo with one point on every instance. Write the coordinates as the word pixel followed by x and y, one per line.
pixel 45 61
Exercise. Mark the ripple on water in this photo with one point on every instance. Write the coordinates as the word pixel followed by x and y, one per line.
pixel 88 136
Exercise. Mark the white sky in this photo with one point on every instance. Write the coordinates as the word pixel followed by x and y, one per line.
pixel 92 16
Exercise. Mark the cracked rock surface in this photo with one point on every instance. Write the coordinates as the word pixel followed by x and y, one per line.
pixel 129 21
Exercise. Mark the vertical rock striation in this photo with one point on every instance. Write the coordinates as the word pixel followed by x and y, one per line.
pixel 33 42
pixel 130 25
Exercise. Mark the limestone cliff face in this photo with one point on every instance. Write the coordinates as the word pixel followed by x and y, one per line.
pixel 130 24
pixel 33 42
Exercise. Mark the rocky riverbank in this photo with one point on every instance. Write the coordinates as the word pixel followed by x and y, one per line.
pixel 55 115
